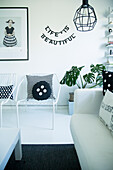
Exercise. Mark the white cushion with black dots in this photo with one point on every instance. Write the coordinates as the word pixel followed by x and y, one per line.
pixel 107 81
pixel 41 90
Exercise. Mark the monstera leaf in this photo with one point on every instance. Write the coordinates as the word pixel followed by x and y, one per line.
pixel 97 69
pixel 99 80
pixel 71 76
pixel 89 78
pixel 94 77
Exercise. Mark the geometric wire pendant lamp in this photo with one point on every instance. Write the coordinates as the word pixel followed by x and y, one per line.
pixel 85 17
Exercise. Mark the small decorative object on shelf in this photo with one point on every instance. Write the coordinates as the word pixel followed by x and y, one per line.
pixel 109 45
pixel 111 52
pixel 110 30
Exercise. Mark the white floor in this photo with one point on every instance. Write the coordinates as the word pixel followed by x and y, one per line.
pixel 35 124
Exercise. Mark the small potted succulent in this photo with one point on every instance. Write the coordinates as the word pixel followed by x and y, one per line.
pixel 90 80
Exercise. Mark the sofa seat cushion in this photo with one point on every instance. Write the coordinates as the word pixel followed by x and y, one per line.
pixel 93 142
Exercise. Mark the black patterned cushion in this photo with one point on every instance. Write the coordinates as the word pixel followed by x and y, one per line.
pixel 33 79
pixel 41 90
pixel 5 92
pixel 107 81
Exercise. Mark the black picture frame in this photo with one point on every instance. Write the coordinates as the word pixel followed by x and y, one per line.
pixel 14 34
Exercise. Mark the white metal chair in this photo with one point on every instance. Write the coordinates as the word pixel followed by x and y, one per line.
pixel 24 101
pixel 8 84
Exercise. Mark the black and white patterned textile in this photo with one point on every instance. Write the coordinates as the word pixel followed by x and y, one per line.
pixel 106 110
pixel 5 92
pixel 41 90
pixel 107 81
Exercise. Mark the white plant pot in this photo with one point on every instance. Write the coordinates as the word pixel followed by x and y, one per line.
pixel 71 107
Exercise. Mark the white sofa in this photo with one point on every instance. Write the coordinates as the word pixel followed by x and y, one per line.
pixel 92 140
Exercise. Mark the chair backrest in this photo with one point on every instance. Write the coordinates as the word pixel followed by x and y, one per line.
pixel 56 87
pixel 8 80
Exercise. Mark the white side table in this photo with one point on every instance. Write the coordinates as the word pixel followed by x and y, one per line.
pixel 71 107
pixel 9 140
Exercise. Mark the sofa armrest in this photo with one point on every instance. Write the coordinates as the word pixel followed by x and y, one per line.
pixel 87 101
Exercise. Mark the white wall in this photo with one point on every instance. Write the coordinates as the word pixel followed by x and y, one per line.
pixel 85 49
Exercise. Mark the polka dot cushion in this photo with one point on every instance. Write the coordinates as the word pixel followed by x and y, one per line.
pixel 107 81
pixel 41 90
pixel 5 92
pixel 33 79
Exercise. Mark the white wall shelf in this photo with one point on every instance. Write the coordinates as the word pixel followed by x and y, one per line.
pixel 109 35
pixel 110 25
pixel 109 64
pixel 110 15
pixel 109 55
pixel 109 47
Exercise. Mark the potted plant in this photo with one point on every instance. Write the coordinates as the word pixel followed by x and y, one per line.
pixel 90 80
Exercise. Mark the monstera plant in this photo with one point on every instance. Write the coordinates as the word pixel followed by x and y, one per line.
pixel 92 79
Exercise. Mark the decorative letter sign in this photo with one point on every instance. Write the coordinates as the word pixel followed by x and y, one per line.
pixel 57 34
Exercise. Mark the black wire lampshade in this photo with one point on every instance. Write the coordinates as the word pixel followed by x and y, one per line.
pixel 85 17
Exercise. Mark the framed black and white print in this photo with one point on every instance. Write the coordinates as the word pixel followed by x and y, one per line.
pixel 14 34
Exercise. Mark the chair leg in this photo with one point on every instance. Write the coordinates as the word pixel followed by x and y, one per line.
pixel 53 117
pixel 17 112
pixel 0 115
pixel 56 107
